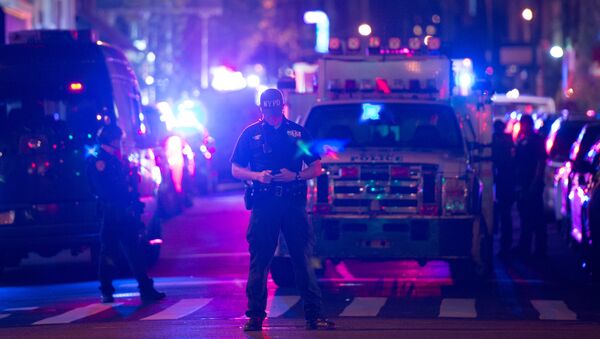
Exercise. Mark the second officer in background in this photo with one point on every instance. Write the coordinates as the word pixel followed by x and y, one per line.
pixel 119 199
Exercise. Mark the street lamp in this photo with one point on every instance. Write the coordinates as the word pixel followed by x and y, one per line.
pixel 364 30
pixel 556 52
pixel 527 14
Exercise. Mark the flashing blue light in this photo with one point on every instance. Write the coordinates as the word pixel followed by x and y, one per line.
pixel 370 112
pixel 56 116
pixel 91 151
pixel 465 80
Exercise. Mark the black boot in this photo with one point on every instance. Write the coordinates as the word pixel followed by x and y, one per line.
pixel 107 291
pixel 319 324
pixel 253 324
pixel 151 295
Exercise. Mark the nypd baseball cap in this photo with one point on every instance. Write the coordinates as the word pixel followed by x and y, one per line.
pixel 271 98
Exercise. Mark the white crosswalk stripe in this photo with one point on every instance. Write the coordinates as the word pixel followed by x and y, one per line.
pixel 16 309
pixel 180 309
pixel 458 308
pixel 279 304
pixel 364 307
pixel 553 310
pixel 76 314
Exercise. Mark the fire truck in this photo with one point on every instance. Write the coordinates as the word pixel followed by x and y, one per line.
pixel 405 174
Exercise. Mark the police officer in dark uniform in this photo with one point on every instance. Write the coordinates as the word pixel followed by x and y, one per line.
pixel 530 162
pixel 111 183
pixel 504 183
pixel 271 153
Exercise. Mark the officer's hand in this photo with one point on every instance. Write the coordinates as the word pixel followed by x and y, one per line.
pixel 285 176
pixel 264 177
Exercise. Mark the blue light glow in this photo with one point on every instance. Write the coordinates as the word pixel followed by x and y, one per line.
pixel 91 151
pixel 370 112
pixel 321 20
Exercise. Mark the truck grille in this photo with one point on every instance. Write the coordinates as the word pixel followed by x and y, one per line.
pixel 389 188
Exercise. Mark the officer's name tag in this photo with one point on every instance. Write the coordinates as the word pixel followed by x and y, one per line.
pixel 294 134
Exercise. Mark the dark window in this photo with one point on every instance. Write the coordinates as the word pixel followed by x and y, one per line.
pixel 421 126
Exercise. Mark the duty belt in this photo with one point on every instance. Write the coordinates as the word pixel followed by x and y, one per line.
pixel 280 190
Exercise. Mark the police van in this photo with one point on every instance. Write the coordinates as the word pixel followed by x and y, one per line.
pixel 399 175
pixel 57 88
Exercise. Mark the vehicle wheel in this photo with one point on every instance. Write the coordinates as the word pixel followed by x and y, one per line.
pixel 282 271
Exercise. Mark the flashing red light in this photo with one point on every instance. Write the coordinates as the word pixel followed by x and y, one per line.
pixel 400 172
pixel 349 172
pixel 382 86
pixel 155 241
pixel 374 42
pixel 75 87
pixel 33 165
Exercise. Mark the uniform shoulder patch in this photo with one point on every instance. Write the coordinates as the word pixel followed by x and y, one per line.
pixel 294 133
pixel 100 165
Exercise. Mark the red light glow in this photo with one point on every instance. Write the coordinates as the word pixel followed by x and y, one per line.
pixel 155 241
pixel 349 172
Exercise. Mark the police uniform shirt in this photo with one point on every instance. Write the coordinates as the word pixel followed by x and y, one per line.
pixel 263 147
pixel 530 153
pixel 108 178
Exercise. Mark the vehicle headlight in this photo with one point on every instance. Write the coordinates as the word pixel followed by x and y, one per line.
pixel 454 195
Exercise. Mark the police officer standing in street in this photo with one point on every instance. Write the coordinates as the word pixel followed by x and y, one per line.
pixel 530 162
pixel 110 182
pixel 504 184
pixel 271 153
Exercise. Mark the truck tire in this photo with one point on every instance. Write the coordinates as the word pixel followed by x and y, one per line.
pixel 282 271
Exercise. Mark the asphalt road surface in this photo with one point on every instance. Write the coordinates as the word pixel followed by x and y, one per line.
pixel 203 270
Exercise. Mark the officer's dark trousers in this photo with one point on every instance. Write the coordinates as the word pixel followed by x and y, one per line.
pixel 270 215
pixel 504 206
pixel 119 234
pixel 531 210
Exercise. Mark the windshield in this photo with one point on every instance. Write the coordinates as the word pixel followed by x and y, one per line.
pixel 69 117
pixel 421 126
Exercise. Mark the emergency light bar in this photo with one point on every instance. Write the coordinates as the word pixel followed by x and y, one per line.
pixel 394 46
pixel 389 76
